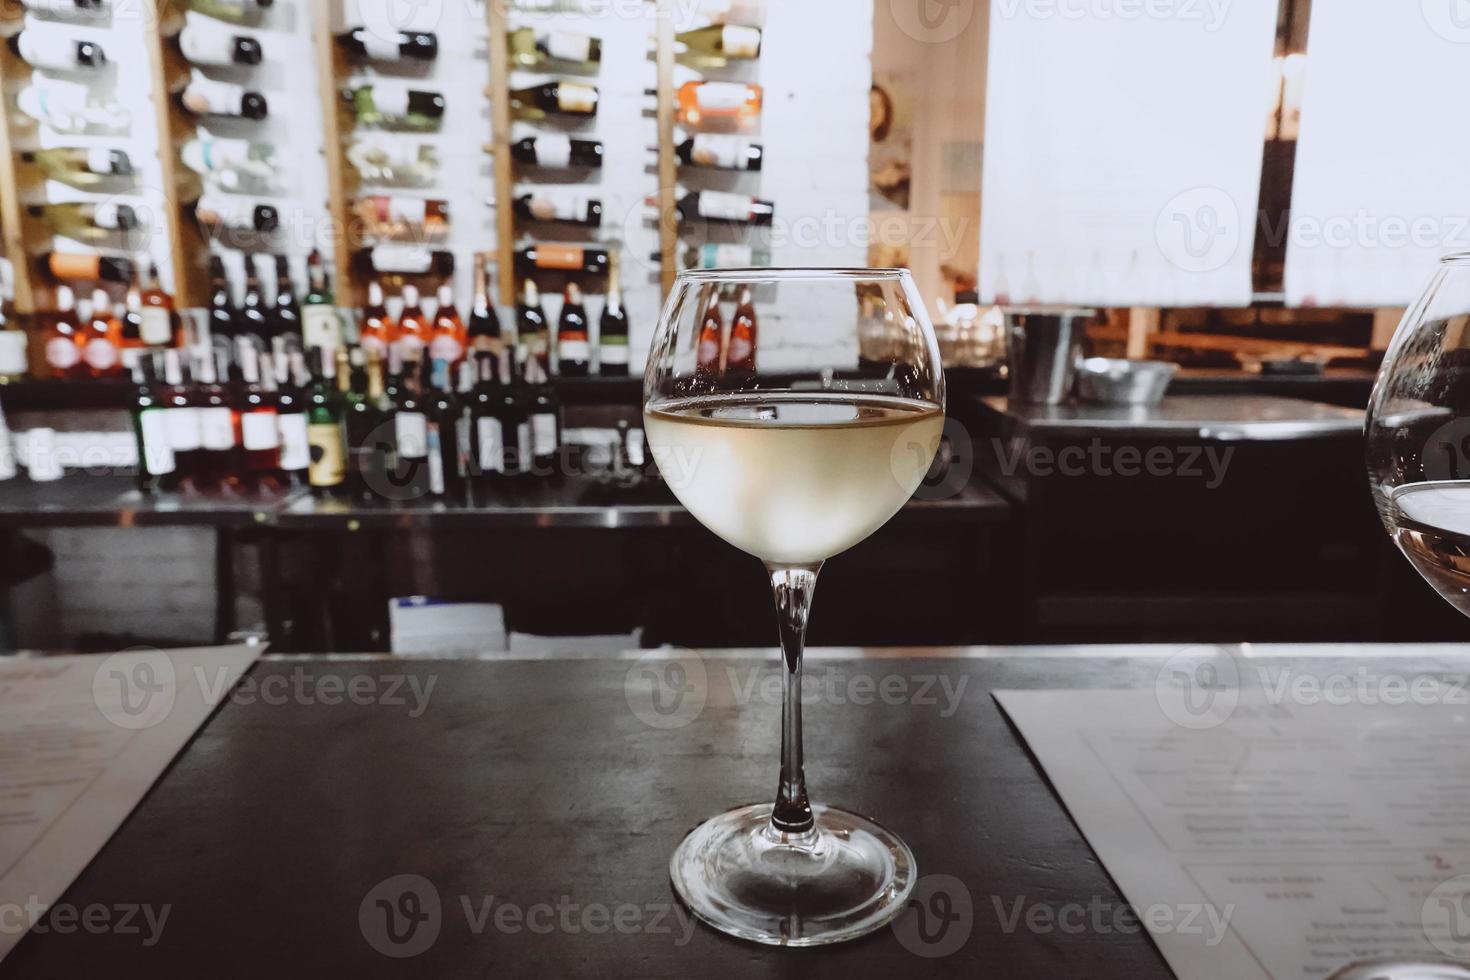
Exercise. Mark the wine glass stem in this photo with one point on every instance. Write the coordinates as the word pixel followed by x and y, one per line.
pixel 792 586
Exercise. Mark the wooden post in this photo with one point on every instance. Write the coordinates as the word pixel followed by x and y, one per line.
pixel 12 220
pixel 499 93
pixel 1143 323
pixel 330 70
pixel 668 220
pixel 186 249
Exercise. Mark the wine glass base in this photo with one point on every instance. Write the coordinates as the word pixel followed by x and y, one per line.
pixel 842 880
pixel 1393 969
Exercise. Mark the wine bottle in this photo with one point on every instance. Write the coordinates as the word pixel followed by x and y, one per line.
pixel 718 44
pixel 710 345
pixel 101 339
pixel 577 209
pixel 369 449
pixel 209 97
pixel 81 168
pixel 395 106
pixel 212 48
pixel 254 320
pixel 291 425
pixel 86 221
pixel 218 441
pixel 180 417
pixel 447 342
pixel 365 44
pixel 231 163
pixel 413 326
pixel 727 255
pixel 724 206
pixel 387 163
pixel 533 342
pixel 443 415
pixel 325 432
pixel 219 216
pixel 557 151
pixel 63 343
pixel 158 323
pixel 285 313
pixel 573 345
pixel 257 410
pixel 66 9
pixel 67 266
pixel 741 346
pixel 378 332
pixel 527 49
pixel 514 414
pixel 232 11
pixel 156 463
pixel 486 431
pixel 406 259
pixel 52 50
pixel 558 97
pixel 13 342
pixel 483 332
pixel 545 419
pixel 731 104
pixel 70 107
pixel 224 320
pixel 402 219
pixel 321 322
pixel 612 329
pixel 719 151
pixel 566 258
pixel 411 475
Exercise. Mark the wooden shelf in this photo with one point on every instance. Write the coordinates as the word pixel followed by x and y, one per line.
pixel 188 252
pixel 331 66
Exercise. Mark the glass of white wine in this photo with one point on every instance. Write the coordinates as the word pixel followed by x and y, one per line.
pixel 778 435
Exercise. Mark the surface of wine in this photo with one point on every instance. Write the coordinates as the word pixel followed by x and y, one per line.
pixel 1431 525
pixel 793 478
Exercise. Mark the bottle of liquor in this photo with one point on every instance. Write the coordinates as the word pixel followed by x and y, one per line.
pixel 403 219
pixel 232 164
pixel 447 342
pixel 324 430
pixel 717 45
pixel 68 107
pixel 181 418
pixel 291 426
pixel 81 168
pixel 254 320
pixel 63 338
pixel 444 417
pixel 232 11
pixel 725 255
pixel 223 318
pixel 94 223
pixel 260 431
pixel 528 50
pixel 285 316
pixel 573 343
pixel 710 347
pixel 486 458
pixel 545 420
pixel 724 206
pixel 413 326
pixel 54 51
pixel 387 163
pixel 411 476
pixel 727 104
pixel 741 346
pixel 370 441
pixel 13 342
pixel 385 105
pixel 218 442
pixel 365 44
pixel 156 465
pixel 221 217
pixel 129 316
pixel 612 329
pixel 88 266
pixel 556 151
pixel 514 416
pixel 377 333
pixel 483 332
pixel 533 341
pixel 210 97
pixel 213 48
pixel 719 151
pixel 101 339
pixel 158 323
pixel 565 258
pixel 65 8
pixel 321 322
pixel 405 259
pixel 577 209
pixel 557 97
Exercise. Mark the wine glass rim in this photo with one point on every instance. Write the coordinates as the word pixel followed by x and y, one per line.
pixel 788 273
pixel 1455 258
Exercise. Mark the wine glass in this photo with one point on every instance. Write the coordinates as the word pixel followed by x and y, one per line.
pixel 778 435
pixel 1418 453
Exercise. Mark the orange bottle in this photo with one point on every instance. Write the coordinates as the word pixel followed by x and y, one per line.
pixel 377 332
pixel 450 337
pixel 413 326
pixel 101 341
pixel 63 338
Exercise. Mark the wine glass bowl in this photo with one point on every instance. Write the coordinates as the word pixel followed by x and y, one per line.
pixel 786 431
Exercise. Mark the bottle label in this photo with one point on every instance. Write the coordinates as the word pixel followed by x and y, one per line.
pixel 709 350
pixel 543 434
pixel 391 100
pixel 157 457
pixel 99 161
pixel 328 454
pixel 728 255
pixel 321 326
pixel 258 431
pixel 492 445
pixel 445 348
pixel 553 256
pixel 48 49
pixel 720 97
pixel 206 47
pixel 372 342
pixel 740 349
pixel 183 429
pixel 724 205
pixel 523 448
pixel 739 41
pixel 554 150
pixel 410 348
pixel 568 46
pixel 62 353
pixel 12 352
pixel 719 150
pixel 414 260
pixel 295 446
pixel 216 428
pixel 575 97
pixel 379 48
pixel 573 350
pixel 436 461
pixel 100 354
pixel 411 432
pixel 206 96
pixel 155 326
pixel 612 352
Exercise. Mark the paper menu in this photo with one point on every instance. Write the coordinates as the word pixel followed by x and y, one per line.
pixel 1282 842
pixel 82 739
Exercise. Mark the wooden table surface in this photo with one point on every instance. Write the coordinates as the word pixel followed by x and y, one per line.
pixel 536 804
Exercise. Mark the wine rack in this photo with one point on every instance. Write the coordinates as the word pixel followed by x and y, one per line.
pixel 187 263
pixel 11 227
pixel 337 124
